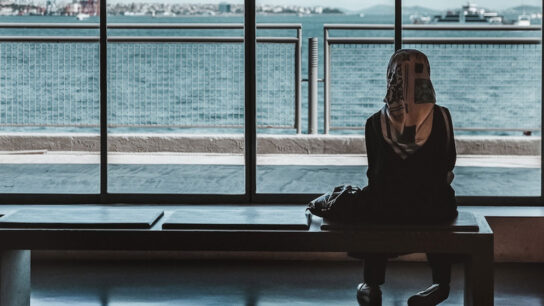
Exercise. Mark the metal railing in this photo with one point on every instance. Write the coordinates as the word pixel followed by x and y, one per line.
pixel 489 84
pixel 197 81
pixel 153 81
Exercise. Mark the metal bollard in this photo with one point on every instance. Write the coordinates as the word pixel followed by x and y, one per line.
pixel 312 85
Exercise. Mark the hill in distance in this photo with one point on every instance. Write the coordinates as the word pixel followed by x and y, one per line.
pixel 411 10
pixel 389 9
pixel 518 10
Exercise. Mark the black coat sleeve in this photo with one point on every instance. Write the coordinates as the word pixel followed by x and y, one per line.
pixel 370 141
pixel 451 150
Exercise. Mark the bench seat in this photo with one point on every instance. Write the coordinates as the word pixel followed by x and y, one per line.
pixel 175 230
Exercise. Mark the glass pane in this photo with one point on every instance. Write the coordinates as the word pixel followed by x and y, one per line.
pixel 49 100
pixel 292 156
pixel 490 80
pixel 176 98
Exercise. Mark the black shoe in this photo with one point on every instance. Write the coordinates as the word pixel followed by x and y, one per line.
pixel 369 295
pixel 431 296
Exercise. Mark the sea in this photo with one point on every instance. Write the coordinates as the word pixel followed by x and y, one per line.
pixel 198 87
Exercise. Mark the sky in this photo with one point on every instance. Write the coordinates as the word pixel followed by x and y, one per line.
pixel 361 4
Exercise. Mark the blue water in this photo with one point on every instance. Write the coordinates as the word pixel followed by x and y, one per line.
pixel 199 87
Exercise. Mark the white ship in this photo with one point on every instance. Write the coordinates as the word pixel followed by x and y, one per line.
pixel 523 20
pixel 82 16
pixel 418 19
pixel 469 13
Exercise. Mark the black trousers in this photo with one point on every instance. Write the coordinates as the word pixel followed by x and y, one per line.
pixel 375 264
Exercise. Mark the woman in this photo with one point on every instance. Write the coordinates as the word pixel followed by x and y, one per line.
pixel 410 147
pixel 411 155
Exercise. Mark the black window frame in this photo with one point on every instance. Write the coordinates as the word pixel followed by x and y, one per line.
pixel 250 197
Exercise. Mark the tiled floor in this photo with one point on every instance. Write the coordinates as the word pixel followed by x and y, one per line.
pixel 255 283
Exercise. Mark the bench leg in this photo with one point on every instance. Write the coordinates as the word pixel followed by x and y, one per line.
pixel 479 278
pixel 15 278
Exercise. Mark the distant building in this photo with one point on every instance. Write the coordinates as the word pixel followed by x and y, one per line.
pixel 225 7
pixel 87 7
pixel 73 8
pixel 7 11
pixel 50 7
pixel 90 7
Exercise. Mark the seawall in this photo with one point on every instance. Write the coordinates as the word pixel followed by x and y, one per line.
pixel 234 143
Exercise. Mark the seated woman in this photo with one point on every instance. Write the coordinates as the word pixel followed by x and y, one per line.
pixel 411 155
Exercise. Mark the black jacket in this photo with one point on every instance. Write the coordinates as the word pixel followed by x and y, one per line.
pixel 415 189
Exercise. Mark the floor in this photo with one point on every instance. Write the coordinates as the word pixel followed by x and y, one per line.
pixel 254 283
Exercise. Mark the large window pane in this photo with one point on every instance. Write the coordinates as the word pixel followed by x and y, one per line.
pixel 176 99
pixel 491 82
pixel 49 101
pixel 315 161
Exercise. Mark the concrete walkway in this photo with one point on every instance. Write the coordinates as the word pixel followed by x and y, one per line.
pixel 173 158
pixel 229 179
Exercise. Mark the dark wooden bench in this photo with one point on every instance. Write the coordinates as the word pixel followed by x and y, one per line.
pixel 228 228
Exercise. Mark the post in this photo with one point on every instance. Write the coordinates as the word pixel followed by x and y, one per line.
pixel 15 277
pixel 312 85
pixel 479 274
pixel 298 81
pixel 326 80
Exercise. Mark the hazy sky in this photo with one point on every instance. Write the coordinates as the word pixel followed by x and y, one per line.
pixel 361 4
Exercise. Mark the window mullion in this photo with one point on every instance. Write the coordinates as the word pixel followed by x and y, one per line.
pixel 103 103
pixel 250 82
pixel 541 114
pixel 398 24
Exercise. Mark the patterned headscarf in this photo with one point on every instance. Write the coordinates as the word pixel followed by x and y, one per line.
pixel 407 116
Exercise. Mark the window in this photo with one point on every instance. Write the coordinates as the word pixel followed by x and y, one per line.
pixel 176 98
pixel 190 104
pixel 49 99
pixel 491 82
pixel 325 148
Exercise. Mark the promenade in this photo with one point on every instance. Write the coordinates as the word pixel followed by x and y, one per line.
pixel 188 163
